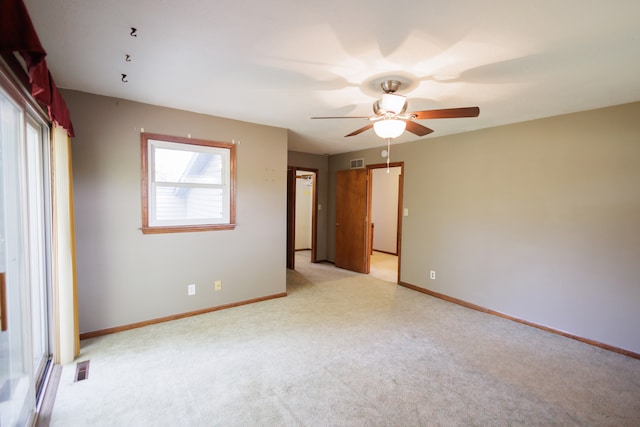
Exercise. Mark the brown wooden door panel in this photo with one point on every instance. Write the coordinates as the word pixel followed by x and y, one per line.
pixel 291 218
pixel 352 249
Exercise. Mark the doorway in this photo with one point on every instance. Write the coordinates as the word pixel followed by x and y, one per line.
pixel 302 202
pixel 355 230
pixel 385 221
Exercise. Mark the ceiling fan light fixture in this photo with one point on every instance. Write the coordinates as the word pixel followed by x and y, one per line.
pixel 392 103
pixel 389 128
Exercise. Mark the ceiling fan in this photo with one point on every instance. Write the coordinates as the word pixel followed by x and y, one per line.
pixel 391 118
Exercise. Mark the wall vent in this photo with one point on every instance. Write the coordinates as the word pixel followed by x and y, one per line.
pixel 82 371
pixel 357 163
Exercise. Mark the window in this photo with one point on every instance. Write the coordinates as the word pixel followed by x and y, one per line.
pixel 187 184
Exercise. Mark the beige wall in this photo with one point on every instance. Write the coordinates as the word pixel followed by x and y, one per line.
pixel 321 163
pixel 538 220
pixel 126 277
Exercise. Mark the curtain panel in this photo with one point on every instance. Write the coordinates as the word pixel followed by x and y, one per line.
pixel 66 345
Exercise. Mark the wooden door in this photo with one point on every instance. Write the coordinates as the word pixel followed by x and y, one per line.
pixel 352 222
pixel 291 218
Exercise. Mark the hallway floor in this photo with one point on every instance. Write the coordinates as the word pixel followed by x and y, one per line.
pixel 383 266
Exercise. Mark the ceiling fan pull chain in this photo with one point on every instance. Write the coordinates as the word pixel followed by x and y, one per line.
pixel 388 152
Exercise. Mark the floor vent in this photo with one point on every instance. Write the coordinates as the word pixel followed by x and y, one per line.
pixel 82 371
pixel 357 163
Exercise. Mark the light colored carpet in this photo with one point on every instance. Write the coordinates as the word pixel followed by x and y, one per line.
pixel 349 351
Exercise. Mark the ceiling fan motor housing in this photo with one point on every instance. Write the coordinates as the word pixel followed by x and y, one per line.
pixel 390 104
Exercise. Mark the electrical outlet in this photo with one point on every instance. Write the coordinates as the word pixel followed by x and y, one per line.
pixel 218 285
pixel 191 289
pixel 432 276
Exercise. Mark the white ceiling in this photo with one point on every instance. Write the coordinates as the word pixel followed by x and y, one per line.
pixel 281 62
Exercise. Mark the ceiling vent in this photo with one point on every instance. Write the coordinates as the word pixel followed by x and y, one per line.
pixel 357 163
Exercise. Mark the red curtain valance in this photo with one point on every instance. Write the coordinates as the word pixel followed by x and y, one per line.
pixel 18 35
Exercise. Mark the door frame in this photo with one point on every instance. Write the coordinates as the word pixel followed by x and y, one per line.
pixel 291 214
pixel 370 169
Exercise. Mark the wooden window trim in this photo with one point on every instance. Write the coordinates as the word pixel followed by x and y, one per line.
pixel 146 228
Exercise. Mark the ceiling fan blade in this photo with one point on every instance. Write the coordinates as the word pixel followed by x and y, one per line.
pixel 359 131
pixel 447 113
pixel 417 128
pixel 342 117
